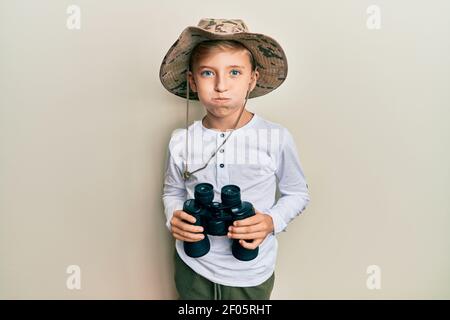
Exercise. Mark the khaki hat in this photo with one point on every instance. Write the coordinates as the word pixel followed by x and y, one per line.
pixel 268 54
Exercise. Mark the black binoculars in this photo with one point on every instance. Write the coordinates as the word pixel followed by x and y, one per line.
pixel 216 217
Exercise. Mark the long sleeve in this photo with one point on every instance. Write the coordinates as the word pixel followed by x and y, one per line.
pixel 174 191
pixel 294 196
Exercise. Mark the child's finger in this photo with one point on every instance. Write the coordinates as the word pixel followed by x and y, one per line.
pixel 181 238
pixel 247 229
pixel 248 221
pixel 190 228
pixel 180 224
pixel 249 236
pixel 186 236
pixel 251 245
pixel 184 216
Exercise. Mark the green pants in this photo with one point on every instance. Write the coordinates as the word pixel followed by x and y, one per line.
pixel 192 286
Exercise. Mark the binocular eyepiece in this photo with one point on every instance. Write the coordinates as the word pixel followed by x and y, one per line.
pixel 216 217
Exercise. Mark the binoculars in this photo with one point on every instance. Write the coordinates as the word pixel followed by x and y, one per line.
pixel 216 217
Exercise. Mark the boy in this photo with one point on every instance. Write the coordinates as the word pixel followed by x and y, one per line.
pixel 222 65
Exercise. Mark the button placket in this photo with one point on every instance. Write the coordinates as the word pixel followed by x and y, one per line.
pixel 221 165
pixel 220 158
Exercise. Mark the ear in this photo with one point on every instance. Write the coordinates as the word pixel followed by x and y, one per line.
pixel 192 84
pixel 255 77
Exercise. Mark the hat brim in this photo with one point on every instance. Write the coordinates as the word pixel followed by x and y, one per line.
pixel 267 52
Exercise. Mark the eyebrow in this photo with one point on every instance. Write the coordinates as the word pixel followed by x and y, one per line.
pixel 232 66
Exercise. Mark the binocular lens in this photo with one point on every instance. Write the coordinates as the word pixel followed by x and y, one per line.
pixel 230 195
pixel 204 193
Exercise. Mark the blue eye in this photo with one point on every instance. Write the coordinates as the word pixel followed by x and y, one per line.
pixel 208 73
pixel 204 72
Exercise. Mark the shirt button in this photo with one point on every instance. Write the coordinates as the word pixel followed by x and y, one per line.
pixel 221 150
pixel 222 165
pixel 222 135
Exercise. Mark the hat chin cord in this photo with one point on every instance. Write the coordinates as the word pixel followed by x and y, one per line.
pixel 186 173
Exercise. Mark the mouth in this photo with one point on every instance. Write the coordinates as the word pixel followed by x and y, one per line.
pixel 221 99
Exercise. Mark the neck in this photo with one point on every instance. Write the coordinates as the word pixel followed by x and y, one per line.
pixel 227 123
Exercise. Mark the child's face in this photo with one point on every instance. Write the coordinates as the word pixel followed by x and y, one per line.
pixel 223 74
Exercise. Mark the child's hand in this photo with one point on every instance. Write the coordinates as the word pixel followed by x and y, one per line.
pixel 185 231
pixel 256 227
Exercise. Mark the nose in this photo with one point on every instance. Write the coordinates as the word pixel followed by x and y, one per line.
pixel 220 85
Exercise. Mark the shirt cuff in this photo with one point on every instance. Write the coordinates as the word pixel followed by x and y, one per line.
pixel 279 225
pixel 175 205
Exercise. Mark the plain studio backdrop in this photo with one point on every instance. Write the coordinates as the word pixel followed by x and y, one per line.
pixel 85 123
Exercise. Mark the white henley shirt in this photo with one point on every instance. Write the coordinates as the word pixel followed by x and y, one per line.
pixel 258 157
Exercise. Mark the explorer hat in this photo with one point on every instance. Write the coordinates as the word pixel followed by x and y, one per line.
pixel 268 54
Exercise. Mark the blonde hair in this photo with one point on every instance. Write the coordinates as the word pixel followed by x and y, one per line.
pixel 206 47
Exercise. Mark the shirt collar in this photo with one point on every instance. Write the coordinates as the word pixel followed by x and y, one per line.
pixel 216 132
